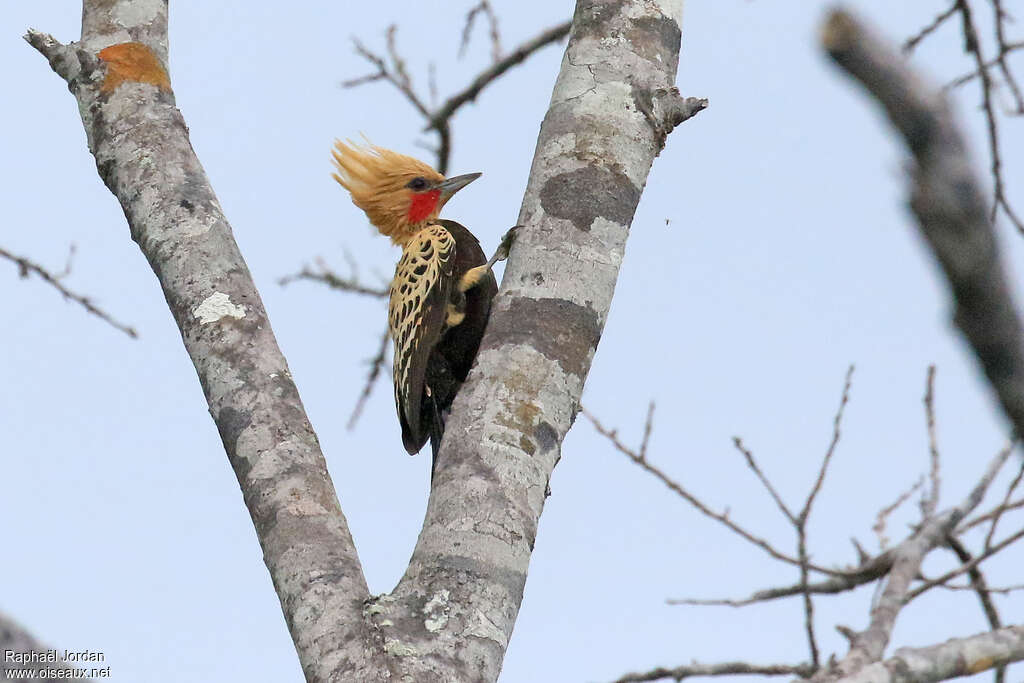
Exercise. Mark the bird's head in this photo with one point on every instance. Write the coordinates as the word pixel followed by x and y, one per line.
pixel 399 194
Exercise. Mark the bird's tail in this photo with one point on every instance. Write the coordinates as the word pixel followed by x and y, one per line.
pixel 436 432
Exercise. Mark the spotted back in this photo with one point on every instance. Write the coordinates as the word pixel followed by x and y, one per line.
pixel 417 311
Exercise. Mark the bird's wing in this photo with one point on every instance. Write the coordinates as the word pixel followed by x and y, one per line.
pixel 417 312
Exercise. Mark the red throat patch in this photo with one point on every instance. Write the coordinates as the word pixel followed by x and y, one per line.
pixel 423 204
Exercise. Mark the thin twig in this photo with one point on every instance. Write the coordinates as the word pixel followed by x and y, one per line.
pixel 913 41
pixel 872 570
pixel 484 7
pixel 980 586
pixel 721 517
pixel 930 501
pixel 438 119
pixel 1000 590
pixel 489 75
pixel 953 573
pixel 972 45
pixel 971 75
pixel 375 363
pixel 837 422
pixel 1003 506
pixel 723 669
pixel 1001 17
pixel 883 514
pixel 334 281
pixel 752 464
pixel 27 267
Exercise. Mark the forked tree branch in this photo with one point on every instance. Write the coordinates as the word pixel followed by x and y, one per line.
pixel 451 616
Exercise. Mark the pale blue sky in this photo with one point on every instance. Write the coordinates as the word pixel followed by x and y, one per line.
pixel 788 255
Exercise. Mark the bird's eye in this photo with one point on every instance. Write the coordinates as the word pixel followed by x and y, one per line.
pixel 417 184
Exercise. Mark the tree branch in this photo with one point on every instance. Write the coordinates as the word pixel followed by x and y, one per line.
pixel 948 202
pixel 144 156
pixel 869 645
pixel 954 658
pixel 724 669
pixel 27 267
pixel 504 435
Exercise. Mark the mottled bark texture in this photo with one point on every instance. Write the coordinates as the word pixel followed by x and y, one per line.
pixel 455 608
pixel 144 156
pixel 947 200
pixel 951 659
pixel 451 616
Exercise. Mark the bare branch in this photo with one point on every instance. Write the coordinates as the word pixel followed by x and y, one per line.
pixel 334 281
pixel 720 517
pixel 980 586
pixel 482 7
pixel 972 45
pixel 27 267
pixel 752 464
pixel 1003 48
pixel 931 500
pixel 439 119
pixel 872 570
pixel 951 659
pixel 966 567
pixel 883 514
pixel 1004 505
pixel 971 75
pixel 912 42
pixel 489 75
pixel 724 669
pixel 869 645
pixel 837 422
pixel 376 364
pixel 948 202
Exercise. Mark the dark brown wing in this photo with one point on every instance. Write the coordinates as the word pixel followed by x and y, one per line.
pixel 417 311
pixel 461 343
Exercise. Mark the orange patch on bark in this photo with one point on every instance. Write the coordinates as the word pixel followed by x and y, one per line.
pixel 132 62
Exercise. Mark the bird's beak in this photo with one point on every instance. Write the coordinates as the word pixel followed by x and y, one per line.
pixel 452 185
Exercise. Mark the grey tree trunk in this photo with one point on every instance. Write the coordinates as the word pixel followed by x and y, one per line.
pixel 451 616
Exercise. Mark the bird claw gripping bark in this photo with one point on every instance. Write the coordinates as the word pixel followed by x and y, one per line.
pixel 501 253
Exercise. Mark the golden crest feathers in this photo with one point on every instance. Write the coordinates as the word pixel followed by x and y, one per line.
pixel 376 178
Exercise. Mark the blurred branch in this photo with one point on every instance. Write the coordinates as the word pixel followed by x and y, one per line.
pixel 15 640
pixel 27 267
pixel 948 202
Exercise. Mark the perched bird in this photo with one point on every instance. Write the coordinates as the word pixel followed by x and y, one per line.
pixel 440 297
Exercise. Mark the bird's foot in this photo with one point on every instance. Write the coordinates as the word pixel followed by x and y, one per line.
pixel 501 253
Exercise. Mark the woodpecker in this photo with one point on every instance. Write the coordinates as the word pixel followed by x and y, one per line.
pixel 440 297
